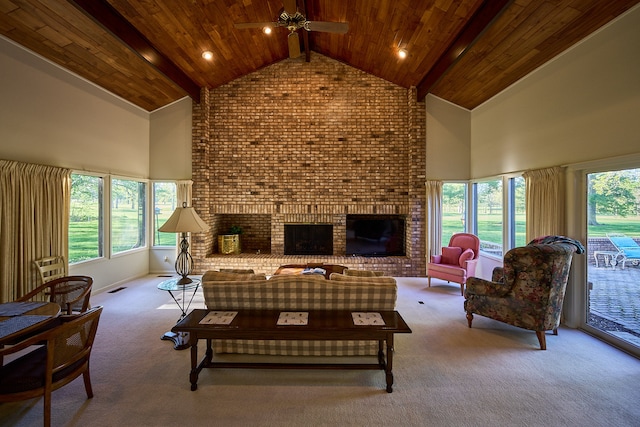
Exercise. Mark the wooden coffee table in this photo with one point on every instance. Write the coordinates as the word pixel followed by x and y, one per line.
pixel 263 325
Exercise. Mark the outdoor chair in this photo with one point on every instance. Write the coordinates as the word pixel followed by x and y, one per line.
pixel 60 354
pixel 528 292
pixel 628 249
pixel 72 293
pixel 458 260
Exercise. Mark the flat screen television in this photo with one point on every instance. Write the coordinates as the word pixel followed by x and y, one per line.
pixel 375 235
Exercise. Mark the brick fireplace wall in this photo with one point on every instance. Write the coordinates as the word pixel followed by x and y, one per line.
pixel 300 142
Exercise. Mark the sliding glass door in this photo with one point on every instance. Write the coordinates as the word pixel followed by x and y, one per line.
pixel 613 251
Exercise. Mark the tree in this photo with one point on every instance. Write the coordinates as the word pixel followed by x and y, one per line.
pixel 613 193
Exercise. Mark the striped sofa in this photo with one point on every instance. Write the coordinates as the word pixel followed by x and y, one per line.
pixel 231 291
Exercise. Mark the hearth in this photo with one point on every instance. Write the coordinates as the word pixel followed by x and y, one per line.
pixel 308 239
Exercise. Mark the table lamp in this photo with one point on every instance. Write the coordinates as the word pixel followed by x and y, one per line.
pixel 184 220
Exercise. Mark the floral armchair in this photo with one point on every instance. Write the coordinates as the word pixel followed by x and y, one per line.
pixel 458 260
pixel 528 291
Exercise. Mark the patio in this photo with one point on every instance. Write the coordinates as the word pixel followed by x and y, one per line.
pixel 614 300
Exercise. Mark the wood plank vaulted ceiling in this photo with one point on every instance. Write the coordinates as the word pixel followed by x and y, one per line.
pixel 149 52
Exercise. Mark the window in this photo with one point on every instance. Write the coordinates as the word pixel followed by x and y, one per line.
pixel 454 209
pixel 127 215
pixel 164 203
pixel 488 226
pixel 86 231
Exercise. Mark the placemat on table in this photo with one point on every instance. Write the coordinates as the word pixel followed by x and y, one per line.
pixel 18 308
pixel 14 324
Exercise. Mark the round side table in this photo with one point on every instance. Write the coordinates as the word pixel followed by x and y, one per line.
pixel 176 289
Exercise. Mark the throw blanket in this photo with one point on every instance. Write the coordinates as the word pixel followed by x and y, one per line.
pixel 550 240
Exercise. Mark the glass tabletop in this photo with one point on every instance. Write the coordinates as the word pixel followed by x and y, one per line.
pixel 174 284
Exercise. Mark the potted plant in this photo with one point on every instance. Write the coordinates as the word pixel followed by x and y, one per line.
pixel 230 243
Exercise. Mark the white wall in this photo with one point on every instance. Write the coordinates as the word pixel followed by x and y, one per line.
pixel 448 140
pixel 170 141
pixel 49 116
pixel 581 106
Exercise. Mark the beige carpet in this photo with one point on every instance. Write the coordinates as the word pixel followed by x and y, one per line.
pixel 445 374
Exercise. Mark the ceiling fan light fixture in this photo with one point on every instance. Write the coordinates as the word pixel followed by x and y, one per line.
pixel 207 55
pixel 267 30
pixel 402 53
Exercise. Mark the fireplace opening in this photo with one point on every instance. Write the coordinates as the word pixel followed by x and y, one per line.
pixel 308 239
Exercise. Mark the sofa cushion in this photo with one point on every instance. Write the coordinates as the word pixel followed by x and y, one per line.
pixel 451 255
pixel 217 276
pixel 370 280
pixel 467 255
pixel 237 270
pixel 362 273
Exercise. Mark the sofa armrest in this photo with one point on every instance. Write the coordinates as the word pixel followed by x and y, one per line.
pixel 477 286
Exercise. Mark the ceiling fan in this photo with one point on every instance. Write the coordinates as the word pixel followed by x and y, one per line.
pixel 293 20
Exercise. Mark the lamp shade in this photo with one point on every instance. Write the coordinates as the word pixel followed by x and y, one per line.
pixel 184 220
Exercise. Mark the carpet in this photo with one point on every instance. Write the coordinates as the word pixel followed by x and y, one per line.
pixel 445 374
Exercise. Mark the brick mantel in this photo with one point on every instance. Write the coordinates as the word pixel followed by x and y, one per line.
pixel 307 142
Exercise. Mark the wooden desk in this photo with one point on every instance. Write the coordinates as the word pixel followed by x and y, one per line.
pixel 22 318
pixel 263 325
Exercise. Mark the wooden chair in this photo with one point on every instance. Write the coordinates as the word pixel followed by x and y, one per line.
pixel 51 268
pixel 63 357
pixel 71 292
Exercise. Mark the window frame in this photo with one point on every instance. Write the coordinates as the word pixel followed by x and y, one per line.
pixel 508 211
pixel 143 203
pixel 154 222
pixel 103 233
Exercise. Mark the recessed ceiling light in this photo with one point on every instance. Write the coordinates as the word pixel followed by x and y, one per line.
pixel 266 30
pixel 402 53
pixel 207 55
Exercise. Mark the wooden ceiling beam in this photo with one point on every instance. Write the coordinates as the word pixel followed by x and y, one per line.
pixel 111 20
pixel 475 27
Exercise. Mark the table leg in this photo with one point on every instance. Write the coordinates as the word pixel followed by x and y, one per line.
pixel 195 369
pixel 389 367
pixel 381 354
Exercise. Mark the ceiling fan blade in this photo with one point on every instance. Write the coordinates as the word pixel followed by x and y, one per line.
pixel 290 7
pixel 327 27
pixel 256 25
pixel 294 45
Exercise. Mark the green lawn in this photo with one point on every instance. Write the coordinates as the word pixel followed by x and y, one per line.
pixel 84 226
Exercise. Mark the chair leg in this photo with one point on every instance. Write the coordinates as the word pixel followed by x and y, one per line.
pixel 555 331
pixel 542 339
pixel 429 281
pixel 47 408
pixel 87 383
pixel 469 318
pixel 462 289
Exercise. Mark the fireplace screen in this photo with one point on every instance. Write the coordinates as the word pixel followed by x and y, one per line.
pixel 308 239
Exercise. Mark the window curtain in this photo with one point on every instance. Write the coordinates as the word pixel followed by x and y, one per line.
pixel 34 222
pixel 545 200
pixel 433 218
